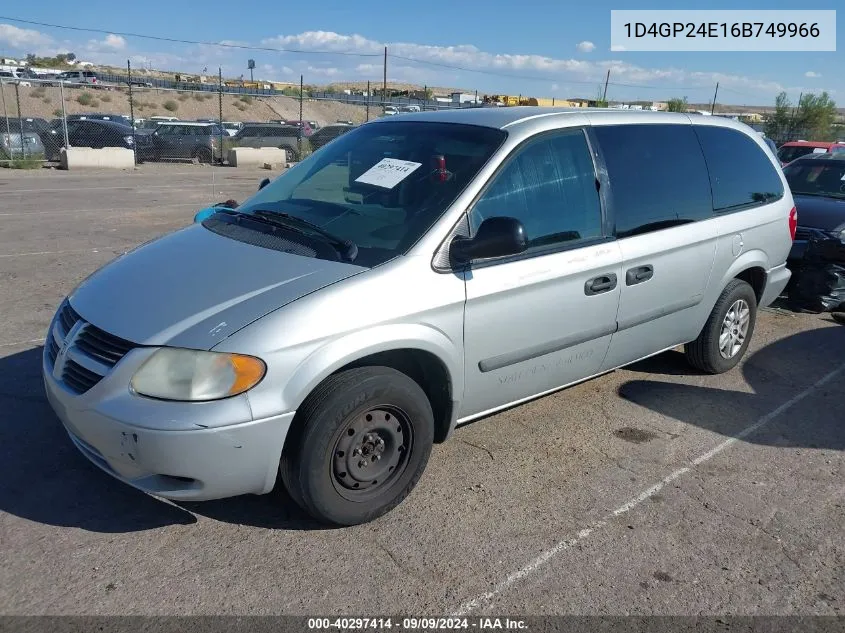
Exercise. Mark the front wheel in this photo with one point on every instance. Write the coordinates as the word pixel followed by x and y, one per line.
pixel 361 443
pixel 726 335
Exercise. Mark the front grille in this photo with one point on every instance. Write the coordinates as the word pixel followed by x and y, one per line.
pixel 91 355
pixel 78 378
pixel 102 345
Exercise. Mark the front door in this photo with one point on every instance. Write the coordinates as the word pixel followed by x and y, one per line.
pixel 542 319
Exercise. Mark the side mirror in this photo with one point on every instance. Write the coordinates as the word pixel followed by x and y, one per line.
pixel 205 213
pixel 263 184
pixel 496 237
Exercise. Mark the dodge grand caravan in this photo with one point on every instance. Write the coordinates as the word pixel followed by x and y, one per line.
pixel 419 272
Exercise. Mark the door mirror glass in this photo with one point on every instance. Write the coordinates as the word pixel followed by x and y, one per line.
pixel 495 237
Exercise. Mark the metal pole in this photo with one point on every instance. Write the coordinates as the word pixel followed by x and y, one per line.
pixel 20 119
pixel 301 122
pixel 384 84
pixel 132 112
pixel 64 113
pixel 476 99
pixel 220 112
pixel 5 111
pixel 716 94
pixel 606 80
pixel 368 101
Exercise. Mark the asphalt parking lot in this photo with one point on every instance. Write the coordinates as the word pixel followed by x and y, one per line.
pixel 651 490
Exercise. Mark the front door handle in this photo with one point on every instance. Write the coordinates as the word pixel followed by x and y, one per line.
pixel 600 284
pixel 638 275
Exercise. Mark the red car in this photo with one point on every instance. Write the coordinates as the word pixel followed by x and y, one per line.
pixel 788 152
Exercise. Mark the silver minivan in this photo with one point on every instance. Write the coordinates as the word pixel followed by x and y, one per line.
pixel 418 272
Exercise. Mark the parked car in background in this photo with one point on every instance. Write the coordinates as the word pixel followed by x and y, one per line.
pixel 415 274
pixel 118 118
pixel 269 135
pixel 96 133
pixel 35 125
pixel 795 149
pixel 85 77
pixel 327 134
pixel 16 146
pixel 184 140
pixel 307 130
pixel 817 182
pixel 390 110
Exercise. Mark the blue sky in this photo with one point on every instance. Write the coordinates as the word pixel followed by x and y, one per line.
pixel 540 48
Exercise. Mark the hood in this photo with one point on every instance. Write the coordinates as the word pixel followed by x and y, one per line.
pixel 816 212
pixel 193 288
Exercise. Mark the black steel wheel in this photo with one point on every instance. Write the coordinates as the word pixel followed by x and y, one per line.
pixel 359 445
pixel 371 452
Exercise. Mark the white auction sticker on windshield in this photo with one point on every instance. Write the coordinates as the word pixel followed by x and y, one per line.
pixel 388 172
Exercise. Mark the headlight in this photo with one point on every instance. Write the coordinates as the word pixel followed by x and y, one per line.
pixel 196 376
pixel 129 140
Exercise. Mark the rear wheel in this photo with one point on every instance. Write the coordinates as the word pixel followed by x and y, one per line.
pixel 361 444
pixel 726 335
pixel 291 155
pixel 202 155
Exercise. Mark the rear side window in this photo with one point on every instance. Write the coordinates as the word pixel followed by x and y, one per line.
pixel 658 176
pixel 741 174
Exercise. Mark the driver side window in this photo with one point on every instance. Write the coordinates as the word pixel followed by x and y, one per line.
pixel 549 186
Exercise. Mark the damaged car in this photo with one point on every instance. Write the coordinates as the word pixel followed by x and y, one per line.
pixel 817 258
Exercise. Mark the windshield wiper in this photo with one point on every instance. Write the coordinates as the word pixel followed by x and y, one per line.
pixel 346 248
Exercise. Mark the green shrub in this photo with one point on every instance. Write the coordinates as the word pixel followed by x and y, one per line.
pixel 183 97
pixel 85 99
pixel 199 96
pixel 36 162
pixel 171 106
pixel 47 100
pixel 58 113
pixel 94 103
pixel 246 99
pixel 105 99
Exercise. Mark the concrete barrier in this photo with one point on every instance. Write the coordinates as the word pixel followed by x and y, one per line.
pixel 256 156
pixel 86 157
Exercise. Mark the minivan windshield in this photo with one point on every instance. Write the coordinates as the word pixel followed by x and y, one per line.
pixel 382 185
pixel 811 178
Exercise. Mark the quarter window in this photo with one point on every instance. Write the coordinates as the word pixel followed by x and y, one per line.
pixel 658 176
pixel 550 186
pixel 741 174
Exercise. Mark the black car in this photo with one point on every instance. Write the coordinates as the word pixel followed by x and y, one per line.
pixel 118 118
pixel 327 134
pixel 182 140
pixel 817 182
pixel 95 133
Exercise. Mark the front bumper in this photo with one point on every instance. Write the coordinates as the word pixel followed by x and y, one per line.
pixel 176 450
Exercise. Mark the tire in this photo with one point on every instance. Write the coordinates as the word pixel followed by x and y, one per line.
pixel 202 155
pixel 704 353
pixel 353 430
pixel 290 154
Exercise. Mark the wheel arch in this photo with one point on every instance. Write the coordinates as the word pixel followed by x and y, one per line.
pixel 423 353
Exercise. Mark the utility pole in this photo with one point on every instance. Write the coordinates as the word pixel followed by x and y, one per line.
pixel 713 105
pixel 384 84
pixel 606 80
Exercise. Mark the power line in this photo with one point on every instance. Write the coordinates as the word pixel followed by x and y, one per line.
pixel 482 71
pixel 181 41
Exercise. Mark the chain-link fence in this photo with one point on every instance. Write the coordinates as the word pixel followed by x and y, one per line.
pixel 199 121
pixel 200 118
